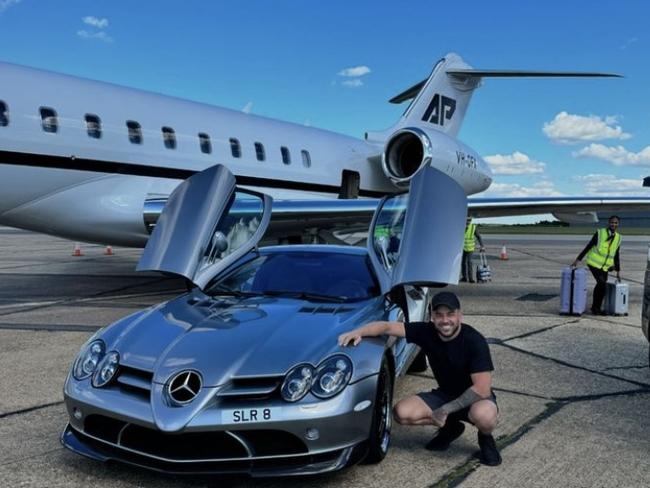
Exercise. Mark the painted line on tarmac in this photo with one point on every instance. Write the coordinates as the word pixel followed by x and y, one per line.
pixel 563 263
pixel 101 294
pixel 574 366
pixel 51 327
pixel 28 304
pixel 461 472
pixel 539 331
pixel 30 409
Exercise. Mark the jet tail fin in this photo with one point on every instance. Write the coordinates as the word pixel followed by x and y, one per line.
pixel 440 102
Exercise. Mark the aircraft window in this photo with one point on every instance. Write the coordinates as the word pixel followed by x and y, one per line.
pixel 93 126
pixel 306 158
pixel 4 114
pixel 169 137
pixel 259 151
pixel 204 142
pixel 286 155
pixel 135 132
pixel 48 119
pixel 235 148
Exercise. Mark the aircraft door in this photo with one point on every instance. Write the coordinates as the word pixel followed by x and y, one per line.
pixel 416 238
pixel 206 225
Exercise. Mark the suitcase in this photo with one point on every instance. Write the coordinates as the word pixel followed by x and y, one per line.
pixel 483 271
pixel 616 298
pixel 573 291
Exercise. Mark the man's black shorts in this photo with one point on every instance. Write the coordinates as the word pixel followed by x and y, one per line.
pixel 437 398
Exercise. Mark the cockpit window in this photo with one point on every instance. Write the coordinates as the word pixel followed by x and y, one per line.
pixel 93 126
pixel 48 119
pixel 4 114
pixel 322 274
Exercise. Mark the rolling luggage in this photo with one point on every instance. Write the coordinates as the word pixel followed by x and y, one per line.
pixel 483 271
pixel 573 291
pixel 616 298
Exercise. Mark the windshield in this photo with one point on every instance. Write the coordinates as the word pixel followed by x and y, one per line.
pixel 309 275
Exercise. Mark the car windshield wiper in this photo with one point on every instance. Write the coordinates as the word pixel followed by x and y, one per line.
pixel 307 295
pixel 234 293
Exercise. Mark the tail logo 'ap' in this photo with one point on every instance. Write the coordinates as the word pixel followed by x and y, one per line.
pixel 440 109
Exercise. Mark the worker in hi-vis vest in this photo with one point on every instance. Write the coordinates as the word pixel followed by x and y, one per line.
pixel 469 245
pixel 602 256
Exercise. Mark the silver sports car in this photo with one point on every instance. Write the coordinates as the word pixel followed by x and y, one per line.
pixel 243 374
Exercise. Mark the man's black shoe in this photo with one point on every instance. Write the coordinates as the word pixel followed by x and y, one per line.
pixel 472 281
pixel 489 452
pixel 463 280
pixel 445 436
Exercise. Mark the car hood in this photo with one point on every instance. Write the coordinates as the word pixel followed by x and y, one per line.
pixel 230 337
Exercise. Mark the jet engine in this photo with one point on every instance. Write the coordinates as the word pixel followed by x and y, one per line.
pixel 410 148
pixel 406 151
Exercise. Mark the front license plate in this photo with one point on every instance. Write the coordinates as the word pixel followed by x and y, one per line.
pixel 252 415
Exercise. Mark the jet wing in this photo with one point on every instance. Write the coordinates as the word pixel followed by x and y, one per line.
pixel 294 216
pixel 504 207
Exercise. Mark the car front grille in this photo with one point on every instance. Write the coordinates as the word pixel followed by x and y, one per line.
pixel 193 446
pixel 134 381
pixel 270 466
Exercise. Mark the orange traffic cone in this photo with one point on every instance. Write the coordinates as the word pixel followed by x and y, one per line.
pixel 109 251
pixel 77 250
pixel 503 256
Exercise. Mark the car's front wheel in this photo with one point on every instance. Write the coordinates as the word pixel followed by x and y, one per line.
pixel 382 418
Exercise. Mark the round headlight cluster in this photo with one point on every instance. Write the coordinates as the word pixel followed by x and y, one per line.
pixel 325 381
pixel 106 369
pixel 332 376
pixel 298 382
pixel 88 359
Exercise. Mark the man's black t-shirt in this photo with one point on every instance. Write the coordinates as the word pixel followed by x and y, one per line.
pixel 454 361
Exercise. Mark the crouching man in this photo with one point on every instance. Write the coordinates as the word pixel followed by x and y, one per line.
pixel 460 359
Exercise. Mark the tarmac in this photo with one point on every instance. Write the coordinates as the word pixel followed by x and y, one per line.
pixel 573 392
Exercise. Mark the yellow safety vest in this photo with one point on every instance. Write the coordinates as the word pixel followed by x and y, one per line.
pixel 469 245
pixel 601 255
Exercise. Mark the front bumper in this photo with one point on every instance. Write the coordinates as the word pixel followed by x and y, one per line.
pixel 125 431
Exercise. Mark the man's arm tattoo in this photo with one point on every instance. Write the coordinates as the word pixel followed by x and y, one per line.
pixel 467 398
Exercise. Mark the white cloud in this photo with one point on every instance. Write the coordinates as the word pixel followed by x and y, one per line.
pixel 247 108
pixel 516 163
pixel 355 71
pixel 598 184
pixel 617 155
pixel 95 22
pixel 628 43
pixel 102 36
pixel 542 188
pixel 5 4
pixel 355 83
pixel 568 128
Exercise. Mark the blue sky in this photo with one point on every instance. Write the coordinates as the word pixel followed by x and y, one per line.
pixel 284 59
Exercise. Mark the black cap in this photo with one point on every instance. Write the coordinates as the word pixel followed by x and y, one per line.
pixel 446 298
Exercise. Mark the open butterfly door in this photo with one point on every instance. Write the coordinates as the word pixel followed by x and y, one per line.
pixel 206 225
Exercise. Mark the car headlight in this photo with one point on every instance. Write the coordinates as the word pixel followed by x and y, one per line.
pixel 88 359
pixel 332 375
pixel 297 382
pixel 106 369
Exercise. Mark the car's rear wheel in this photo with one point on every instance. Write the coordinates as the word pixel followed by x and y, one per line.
pixel 382 418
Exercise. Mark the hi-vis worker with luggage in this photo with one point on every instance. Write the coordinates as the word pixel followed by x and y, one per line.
pixel 603 255
pixel 469 245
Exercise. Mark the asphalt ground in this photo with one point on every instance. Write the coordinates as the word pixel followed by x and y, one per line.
pixel 574 393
